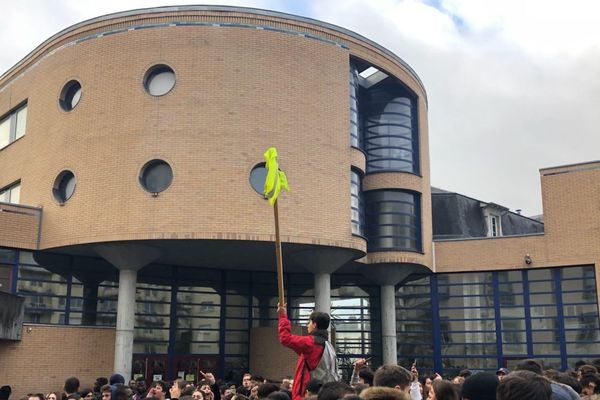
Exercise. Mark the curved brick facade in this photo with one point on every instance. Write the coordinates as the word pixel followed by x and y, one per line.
pixel 245 80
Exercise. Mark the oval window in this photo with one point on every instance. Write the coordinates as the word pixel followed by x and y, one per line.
pixel 257 178
pixel 64 186
pixel 70 95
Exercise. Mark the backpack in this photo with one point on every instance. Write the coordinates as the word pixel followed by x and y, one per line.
pixel 327 368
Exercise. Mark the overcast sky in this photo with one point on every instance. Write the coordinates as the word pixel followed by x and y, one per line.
pixel 513 85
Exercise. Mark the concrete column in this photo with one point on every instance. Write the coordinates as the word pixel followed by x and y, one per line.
pixel 125 322
pixel 388 324
pixel 323 292
pixel 388 275
pixel 129 259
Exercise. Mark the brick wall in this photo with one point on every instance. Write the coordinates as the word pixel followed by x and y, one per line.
pixel 47 355
pixel 19 226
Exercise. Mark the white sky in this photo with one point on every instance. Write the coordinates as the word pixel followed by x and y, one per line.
pixel 512 84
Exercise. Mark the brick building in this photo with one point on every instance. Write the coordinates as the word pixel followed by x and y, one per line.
pixel 130 160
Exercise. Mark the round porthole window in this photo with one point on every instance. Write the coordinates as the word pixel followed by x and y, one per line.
pixel 257 178
pixel 156 176
pixel 70 95
pixel 64 186
pixel 159 80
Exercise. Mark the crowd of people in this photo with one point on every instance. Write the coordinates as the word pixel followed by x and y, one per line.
pixel 529 380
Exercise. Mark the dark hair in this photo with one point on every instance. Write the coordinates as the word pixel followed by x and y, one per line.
pixel 71 385
pixel 164 385
pixel 481 386
pixel 85 392
pixel 74 396
pixel 367 375
pixel 279 395
pixel 359 387
pixel 524 384
pixel 187 391
pixel 445 390
pixel 334 391
pixel 530 365
pixel 266 389
pixel 320 319
pixel 40 396
pixel 587 369
pixel 588 379
pixel 569 380
pixel 392 376
pixel 465 373
pixel 313 386
pixel 105 388
pixel 240 396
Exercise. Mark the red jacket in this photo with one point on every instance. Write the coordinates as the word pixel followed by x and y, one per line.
pixel 308 351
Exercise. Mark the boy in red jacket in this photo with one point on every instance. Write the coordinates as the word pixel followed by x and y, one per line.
pixel 309 348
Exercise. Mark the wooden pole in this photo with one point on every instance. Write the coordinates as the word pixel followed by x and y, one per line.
pixel 279 256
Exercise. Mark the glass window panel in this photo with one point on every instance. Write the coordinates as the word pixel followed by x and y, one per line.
pixel 21 122
pixel 514 348
pixel 238 289
pixel 196 336
pixel 103 319
pixel 236 348
pixel 469 278
pixel 151 321
pixel 235 300
pixel 236 337
pixel 418 314
pixel 511 300
pixel 198 298
pixel 204 348
pixel 545 336
pixel 7 256
pixel 543 311
pixel 576 297
pixel 582 348
pixel 468 313
pixel 468 349
pixel 237 312
pixel 153 295
pixel 26 257
pixel 49 288
pixel 544 323
pixel 470 363
pixel 152 308
pixel 5 132
pixel 44 317
pixel 546 348
pixel 264 322
pixel 539 274
pixel 145 334
pixel 512 312
pixel 236 324
pixel 38 273
pixel 197 288
pixel 198 323
pixel 150 348
pixel 197 310
pixel 545 298
pixel 541 287
pixel 578 310
pixel 76 290
pixel 449 337
pixel 574 272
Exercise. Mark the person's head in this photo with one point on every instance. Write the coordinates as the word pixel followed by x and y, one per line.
pixel 524 384
pixel 247 380
pixel 36 396
pixel 197 395
pixel 567 379
pixel 278 395
pixel 530 365
pixel 254 390
pixel 426 387
pixel 383 393
pixel 393 376
pixel 365 376
pixel 481 386
pixel 266 389
pixel 312 387
pixel 71 385
pixel 87 394
pixel 5 392
pixel 140 384
pixel 116 379
pixel 74 396
pixel 239 396
pixel 586 369
pixel 444 390
pixel 204 387
pixel 53 396
pixel 501 373
pixel 465 373
pixel 286 385
pixel 106 393
pixel 334 391
pixel 158 389
pixel 318 320
pixel 590 384
pixel 101 381
pixel 123 392
pixel 359 388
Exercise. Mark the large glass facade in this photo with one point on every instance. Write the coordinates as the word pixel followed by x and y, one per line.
pixel 487 320
pixel 192 318
pixel 357 207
